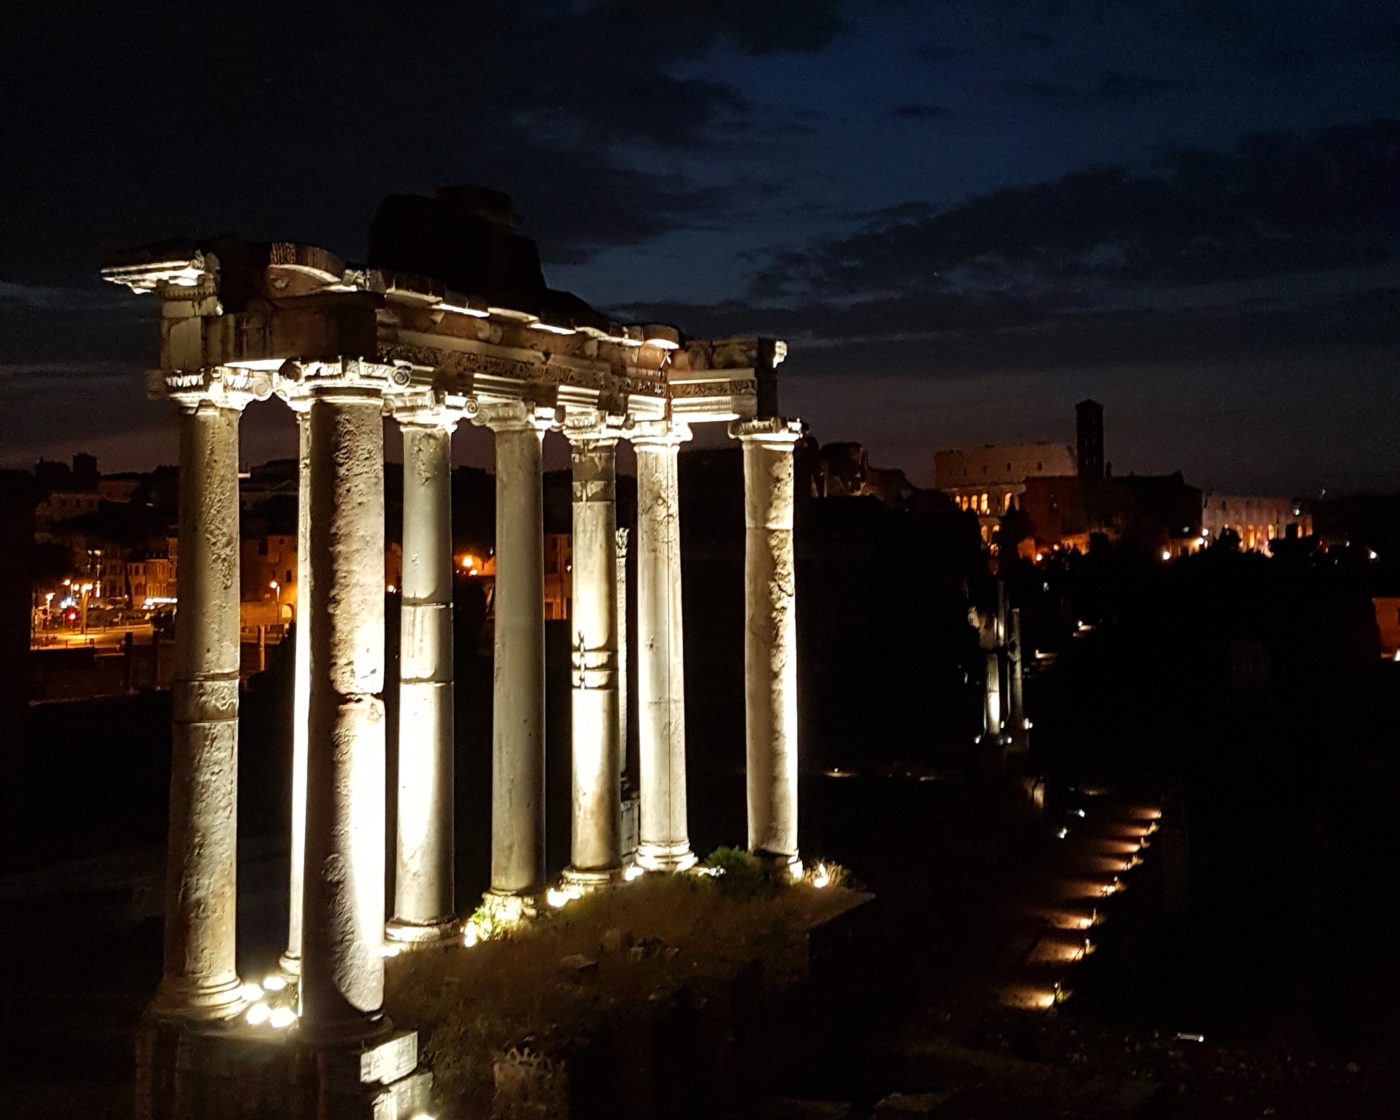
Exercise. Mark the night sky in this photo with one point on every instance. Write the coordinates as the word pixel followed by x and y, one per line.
pixel 964 216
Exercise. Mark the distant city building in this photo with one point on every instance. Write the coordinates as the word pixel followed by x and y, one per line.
pixel 1088 430
pixel 990 480
pixel 1157 512
pixel 1069 496
pixel 1257 521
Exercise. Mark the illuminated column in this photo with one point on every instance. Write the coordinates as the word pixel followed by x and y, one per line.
pixel 621 616
pixel 301 691
pixel 665 843
pixel 200 979
pixel 424 909
pixel 342 968
pixel 596 833
pixel 1014 682
pixel 770 638
pixel 517 731
pixel 991 716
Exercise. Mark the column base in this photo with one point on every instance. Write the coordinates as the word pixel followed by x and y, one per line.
pixel 504 910
pixel 665 857
pixel 289 965
pixel 366 1031
pixel 779 864
pixel 587 882
pixel 416 935
pixel 192 1001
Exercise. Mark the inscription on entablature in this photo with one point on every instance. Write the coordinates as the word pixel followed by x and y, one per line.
pixel 712 389
pixel 466 363
pixel 459 362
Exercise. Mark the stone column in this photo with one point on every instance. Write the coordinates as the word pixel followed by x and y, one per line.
pixel 200 979
pixel 517 730
pixel 424 909
pixel 1015 681
pixel 621 616
pixel 596 833
pixel 991 713
pixel 770 639
pixel 665 843
pixel 342 968
pixel 290 962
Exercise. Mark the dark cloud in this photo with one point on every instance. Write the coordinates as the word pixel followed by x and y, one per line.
pixel 920 112
pixel 1278 204
pixel 296 123
pixel 773 27
pixel 1110 87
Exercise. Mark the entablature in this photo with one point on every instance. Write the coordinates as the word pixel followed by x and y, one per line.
pixel 233 305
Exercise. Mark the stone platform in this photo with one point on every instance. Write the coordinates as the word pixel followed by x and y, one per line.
pixel 238 1072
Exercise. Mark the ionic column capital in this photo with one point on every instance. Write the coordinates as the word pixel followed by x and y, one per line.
pixel 428 411
pixel 298 383
pixel 659 434
pixel 513 416
pixel 219 386
pixel 777 433
pixel 592 427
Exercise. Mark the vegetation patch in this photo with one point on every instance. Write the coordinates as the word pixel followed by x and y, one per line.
pixel 508 1015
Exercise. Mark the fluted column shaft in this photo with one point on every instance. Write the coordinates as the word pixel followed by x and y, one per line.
pixel 200 979
pixel 596 832
pixel 342 975
pixel 301 696
pixel 517 732
pixel 424 907
pixel 770 638
pixel 665 841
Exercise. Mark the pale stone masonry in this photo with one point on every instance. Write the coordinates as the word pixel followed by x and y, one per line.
pixel 345 347
pixel 770 638
pixel 424 904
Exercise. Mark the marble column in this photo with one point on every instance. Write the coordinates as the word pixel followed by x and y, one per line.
pixel 1015 681
pixel 665 842
pixel 290 962
pixel 770 639
pixel 424 908
pixel 342 968
pixel 621 621
pixel 517 731
pixel 596 832
pixel 200 979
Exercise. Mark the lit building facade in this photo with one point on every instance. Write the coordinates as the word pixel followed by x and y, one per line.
pixel 1257 521
pixel 990 480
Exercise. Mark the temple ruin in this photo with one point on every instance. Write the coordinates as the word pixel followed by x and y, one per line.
pixel 450 321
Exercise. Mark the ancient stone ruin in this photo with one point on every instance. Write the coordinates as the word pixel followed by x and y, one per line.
pixel 450 321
